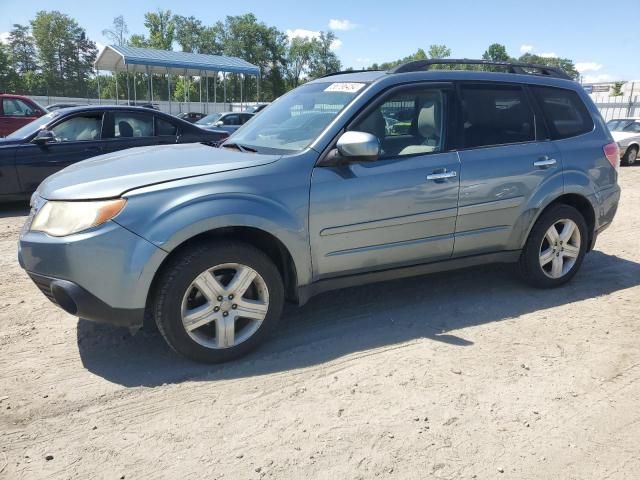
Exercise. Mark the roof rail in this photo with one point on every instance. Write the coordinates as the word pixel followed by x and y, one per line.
pixel 342 72
pixel 521 68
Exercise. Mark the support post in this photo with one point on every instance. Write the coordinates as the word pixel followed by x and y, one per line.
pixel 224 81
pixel 135 88
pixel 241 84
pixel 169 89
pixel 185 86
pixel 116 87
pixel 258 93
pixel 128 91
pixel 215 96
pixel 99 95
pixel 206 74
pixel 200 82
pixel 151 83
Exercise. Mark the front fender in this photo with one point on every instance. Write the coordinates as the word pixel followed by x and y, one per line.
pixel 178 221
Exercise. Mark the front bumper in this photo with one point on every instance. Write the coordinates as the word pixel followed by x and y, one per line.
pixel 77 301
pixel 103 274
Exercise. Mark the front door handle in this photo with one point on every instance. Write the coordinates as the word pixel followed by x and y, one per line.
pixel 545 162
pixel 442 175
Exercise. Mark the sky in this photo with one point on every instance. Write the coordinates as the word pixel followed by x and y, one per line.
pixel 592 33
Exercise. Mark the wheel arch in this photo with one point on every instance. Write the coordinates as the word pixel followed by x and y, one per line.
pixel 580 203
pixel 264 241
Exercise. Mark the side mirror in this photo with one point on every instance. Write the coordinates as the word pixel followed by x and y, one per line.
pixel 219 123
pixel 358 146
pixel 43 137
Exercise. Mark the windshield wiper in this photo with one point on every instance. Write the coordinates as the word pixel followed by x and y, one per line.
pixel 239 147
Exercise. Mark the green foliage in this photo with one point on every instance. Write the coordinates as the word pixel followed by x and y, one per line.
pixel 434 51
pixel 439 51
pixel 616 90
pixel 65 54
pixel 162 28
pixel 564 63
pixel 496 53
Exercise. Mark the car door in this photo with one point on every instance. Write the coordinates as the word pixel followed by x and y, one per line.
pixel 15 114
pixel 128 129
pixel 78 137
pixel 505 158
pixel 399 209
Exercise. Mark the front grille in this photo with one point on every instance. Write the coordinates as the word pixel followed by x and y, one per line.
pixel 44 284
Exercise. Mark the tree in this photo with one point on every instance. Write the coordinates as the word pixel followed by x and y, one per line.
pixel 323 60
pixel 190 33
pixel 298 59
pixel 496 53
pixel 162 27
pixel 8 75
pixel 117 34
pixel 22 49
pixel 564 63
pixel 139 41
pixel 439 51
pixel 65 54
pixel 616 90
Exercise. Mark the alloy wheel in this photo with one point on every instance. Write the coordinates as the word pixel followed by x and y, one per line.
pixel 225 305
pixel 560 248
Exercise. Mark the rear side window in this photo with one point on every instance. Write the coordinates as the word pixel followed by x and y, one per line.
pixel 163 127
pixel 132 124
pixel 565 113
pixel 495 115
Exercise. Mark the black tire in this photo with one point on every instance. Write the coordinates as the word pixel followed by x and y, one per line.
pixel 176 278
pixel 630 156
pixel 530 269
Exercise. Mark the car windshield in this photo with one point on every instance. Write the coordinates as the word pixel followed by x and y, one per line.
pixel 619 125
pixel 33 127
pixel 293 121
pixel 209 119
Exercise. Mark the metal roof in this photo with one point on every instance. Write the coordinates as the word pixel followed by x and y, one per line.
pixel 117 59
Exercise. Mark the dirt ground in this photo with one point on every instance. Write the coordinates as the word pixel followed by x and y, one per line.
pixel 468 374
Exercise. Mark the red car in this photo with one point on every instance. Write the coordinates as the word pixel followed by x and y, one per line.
pixel 16 111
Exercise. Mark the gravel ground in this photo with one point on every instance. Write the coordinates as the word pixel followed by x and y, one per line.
pixel 468 374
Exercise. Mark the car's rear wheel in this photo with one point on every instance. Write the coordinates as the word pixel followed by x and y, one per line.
pixel 630 156
pixel 555 248
pixel 218 301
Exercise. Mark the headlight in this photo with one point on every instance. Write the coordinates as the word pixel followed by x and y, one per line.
pixel 64 218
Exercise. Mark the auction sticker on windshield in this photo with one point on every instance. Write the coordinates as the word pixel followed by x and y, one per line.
pixel 344 87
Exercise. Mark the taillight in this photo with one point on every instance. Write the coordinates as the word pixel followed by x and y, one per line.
pixel 612 152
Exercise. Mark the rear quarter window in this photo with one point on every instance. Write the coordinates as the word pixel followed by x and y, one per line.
pixel 565 113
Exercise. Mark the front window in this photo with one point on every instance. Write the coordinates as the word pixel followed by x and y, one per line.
pixel 293 121
pixel 14 107
pixel 209 120
pixel 81 128
pixel 32 127
pixel 623 125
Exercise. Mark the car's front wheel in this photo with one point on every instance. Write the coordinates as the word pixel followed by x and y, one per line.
pixel 217 301
pixel 555 248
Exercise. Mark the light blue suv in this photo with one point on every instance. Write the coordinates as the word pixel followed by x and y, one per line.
pixel 348 179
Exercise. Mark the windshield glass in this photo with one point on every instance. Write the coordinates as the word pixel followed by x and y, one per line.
pixel 293 121
pixel 619 125
pixel 33 127
pixel 209 119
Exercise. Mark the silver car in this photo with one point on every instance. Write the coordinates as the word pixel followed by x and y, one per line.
pixel 318 193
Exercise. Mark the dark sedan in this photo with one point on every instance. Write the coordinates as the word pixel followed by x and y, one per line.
pixel 66 136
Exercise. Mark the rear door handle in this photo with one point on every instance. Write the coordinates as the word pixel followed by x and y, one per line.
pixel 442 175
pixel 545 162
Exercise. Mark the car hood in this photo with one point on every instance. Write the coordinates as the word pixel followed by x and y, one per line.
pixel 111 175
pixel 620 136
